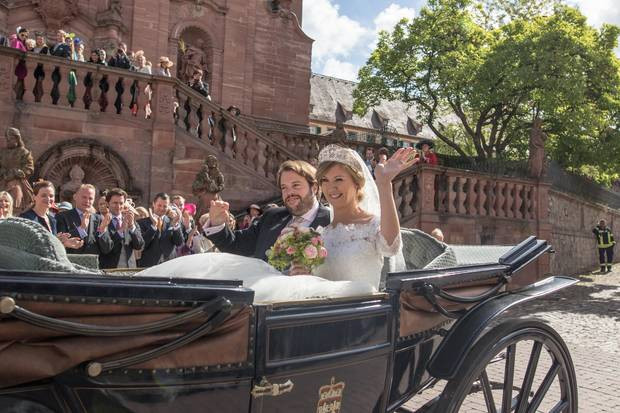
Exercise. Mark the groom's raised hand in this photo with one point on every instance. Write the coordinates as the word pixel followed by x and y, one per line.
pixel 218 213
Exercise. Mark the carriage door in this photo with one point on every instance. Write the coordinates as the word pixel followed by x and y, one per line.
pixel 323 357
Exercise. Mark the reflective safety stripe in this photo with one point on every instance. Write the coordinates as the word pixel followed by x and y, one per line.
pixel 605 238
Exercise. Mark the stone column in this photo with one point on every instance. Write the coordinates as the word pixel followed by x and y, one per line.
pixel 428 217
pixel 543 225
pixel 164 140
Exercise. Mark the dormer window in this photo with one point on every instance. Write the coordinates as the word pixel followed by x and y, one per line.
pixel 413 127
pixel 342 113
pixel 378 121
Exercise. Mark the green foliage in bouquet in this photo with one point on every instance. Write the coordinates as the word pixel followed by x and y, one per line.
pixel 302 246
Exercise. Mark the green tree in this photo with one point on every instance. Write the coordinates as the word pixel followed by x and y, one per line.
pixel 491 81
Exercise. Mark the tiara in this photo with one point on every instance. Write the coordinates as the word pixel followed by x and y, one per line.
pixel 335 153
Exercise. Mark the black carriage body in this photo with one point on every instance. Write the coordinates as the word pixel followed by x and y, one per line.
pixel 347 355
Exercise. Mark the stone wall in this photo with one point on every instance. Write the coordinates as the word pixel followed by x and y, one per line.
pixel 572 220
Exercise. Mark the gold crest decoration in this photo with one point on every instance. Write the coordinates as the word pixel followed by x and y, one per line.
pixel 330 397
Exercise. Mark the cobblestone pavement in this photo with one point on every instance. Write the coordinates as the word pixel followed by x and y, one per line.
pixel 587 316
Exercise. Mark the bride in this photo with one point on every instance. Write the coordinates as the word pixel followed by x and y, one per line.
pixel 364 230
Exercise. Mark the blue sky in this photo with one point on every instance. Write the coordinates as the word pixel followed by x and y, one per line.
pixel 345 31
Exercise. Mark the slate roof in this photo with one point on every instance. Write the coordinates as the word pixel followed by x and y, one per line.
pixel 331 99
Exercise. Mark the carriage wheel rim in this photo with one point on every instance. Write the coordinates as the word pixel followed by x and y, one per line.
pixel 558 371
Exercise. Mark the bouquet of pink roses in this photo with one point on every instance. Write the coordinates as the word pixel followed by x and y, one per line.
pixel 297 246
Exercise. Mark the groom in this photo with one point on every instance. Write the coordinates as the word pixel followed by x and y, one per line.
pixel 297 180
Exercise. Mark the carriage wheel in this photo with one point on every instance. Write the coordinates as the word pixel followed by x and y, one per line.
pixel 520 366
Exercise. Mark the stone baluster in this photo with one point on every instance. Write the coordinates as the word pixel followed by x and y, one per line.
pixel 201 122
pixel 452 194
pixel 193 120
pixel 271 162
pixel 261 158
pixel 305 152
pixel 66 87
pixel 491 197
pixel 55 90
pixel 119 86
pixel 38 90
pixel 219 131
pixel 314 149
pixel 534 203
pixel 30 82
pixel 518 203
pixel 242 144
pixel 481 198
pixel 229 140
pixel 252 151
pixel 406 194
pixel 134 94
pixel 500 204
pixel 80 88
pixel 46 83
pixel 509 209
pixel 397 184
pixel 461 187
pixel 472 195
pixel 103 86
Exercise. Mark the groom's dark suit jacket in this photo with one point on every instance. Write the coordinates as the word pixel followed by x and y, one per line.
pixel 262 234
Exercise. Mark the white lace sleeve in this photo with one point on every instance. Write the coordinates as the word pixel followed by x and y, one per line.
pixel 383 247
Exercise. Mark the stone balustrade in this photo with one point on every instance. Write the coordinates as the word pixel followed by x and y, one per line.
pixel 48 80
pixel 41 79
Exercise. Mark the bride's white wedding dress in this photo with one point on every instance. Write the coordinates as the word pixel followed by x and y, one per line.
pixel 352 267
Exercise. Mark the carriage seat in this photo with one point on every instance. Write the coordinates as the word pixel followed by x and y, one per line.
pixel 25 245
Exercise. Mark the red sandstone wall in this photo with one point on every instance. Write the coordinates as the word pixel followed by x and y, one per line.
pixel 572 220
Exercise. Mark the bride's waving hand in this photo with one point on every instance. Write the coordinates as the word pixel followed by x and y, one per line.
pixel 384 174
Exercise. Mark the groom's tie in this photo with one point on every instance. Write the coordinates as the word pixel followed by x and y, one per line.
pixel 296 221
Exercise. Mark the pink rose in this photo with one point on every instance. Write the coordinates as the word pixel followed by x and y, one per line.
pixel 290 250
pixel 315 240
pixel 322 252
pixel 310 252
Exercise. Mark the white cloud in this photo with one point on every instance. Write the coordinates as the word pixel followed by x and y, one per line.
pixel 334 35
pixel 599 11
pixel 342 70
pixel 342 44
pixel 387 19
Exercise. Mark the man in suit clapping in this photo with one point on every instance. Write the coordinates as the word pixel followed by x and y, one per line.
pixel 82 222
pixel 125 234
pixel 161 231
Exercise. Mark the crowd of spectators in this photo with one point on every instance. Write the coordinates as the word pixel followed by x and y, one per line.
pixel 120 233
pixel 69 46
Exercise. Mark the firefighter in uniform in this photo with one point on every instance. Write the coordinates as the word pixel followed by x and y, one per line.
pixel 605 243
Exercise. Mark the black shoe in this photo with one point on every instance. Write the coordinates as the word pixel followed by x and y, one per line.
pixel 609 269
pixel 603 270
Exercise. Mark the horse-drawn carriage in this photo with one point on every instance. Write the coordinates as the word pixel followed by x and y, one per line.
pixel 90 343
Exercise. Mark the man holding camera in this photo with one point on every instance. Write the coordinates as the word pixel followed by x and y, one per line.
pixel 161 231
pixel 120 59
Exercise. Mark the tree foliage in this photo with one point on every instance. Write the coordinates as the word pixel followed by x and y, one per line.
pixel 478 83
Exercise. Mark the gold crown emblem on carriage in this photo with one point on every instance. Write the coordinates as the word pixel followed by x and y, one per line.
pixel 330 397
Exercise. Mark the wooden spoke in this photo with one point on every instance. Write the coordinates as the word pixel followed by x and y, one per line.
pixel 509 374
pixel 488 392
pixel 544 387
pixel 529 377
pixel 560 407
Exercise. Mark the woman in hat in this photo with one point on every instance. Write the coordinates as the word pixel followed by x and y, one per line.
pixel 425 155
pixel 164 67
